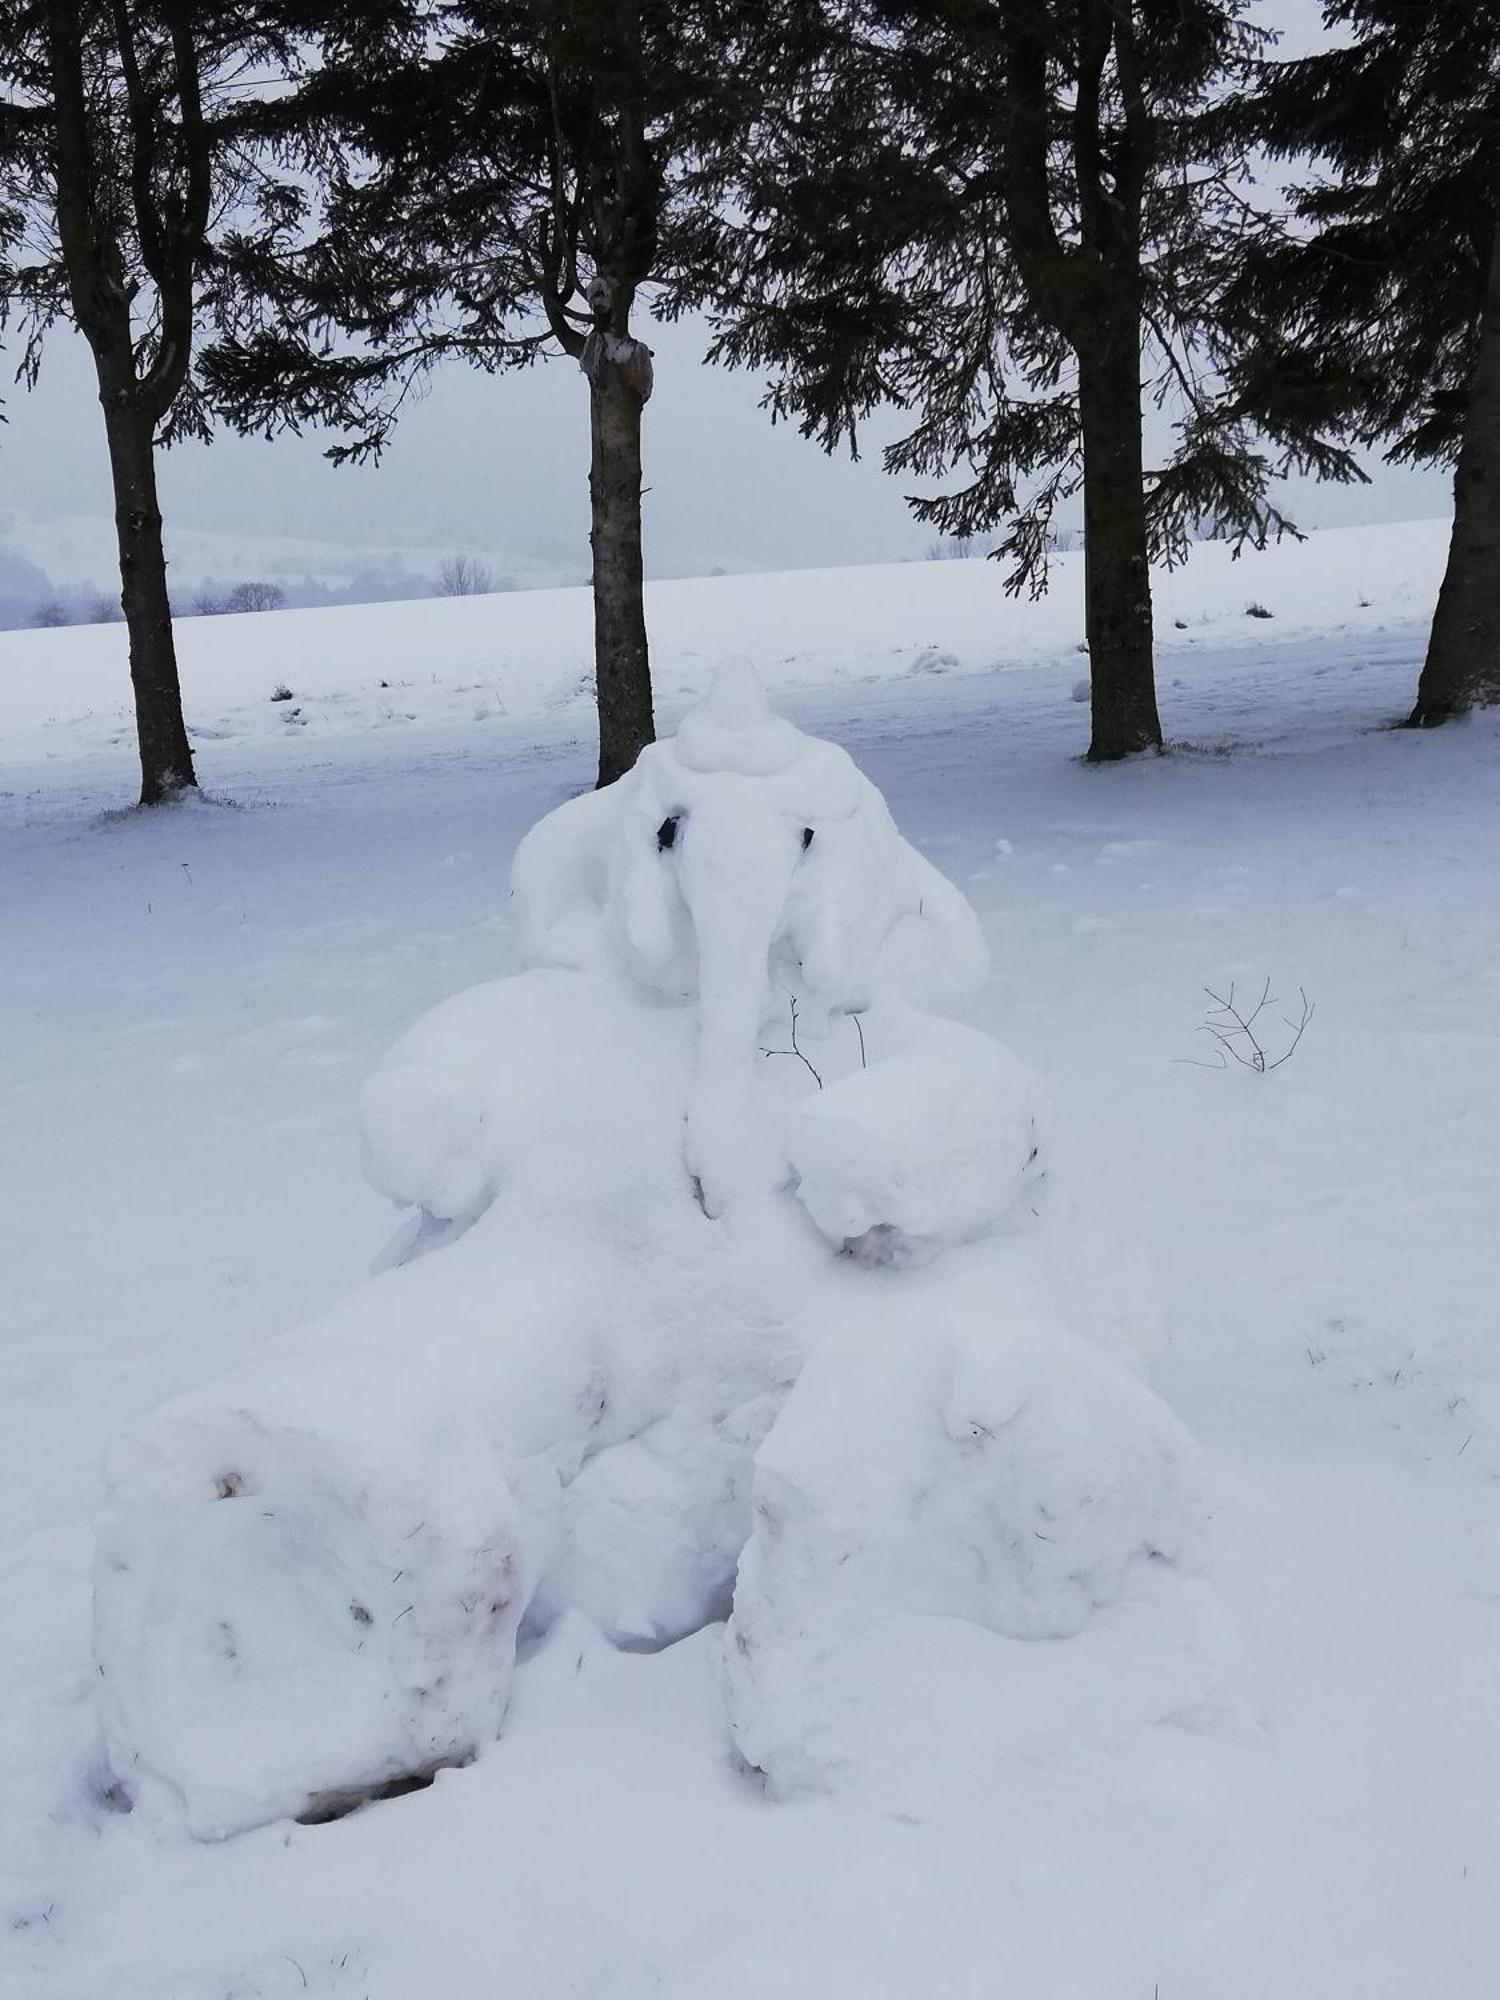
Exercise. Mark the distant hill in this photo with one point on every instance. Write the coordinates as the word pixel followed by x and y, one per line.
pixel 62 569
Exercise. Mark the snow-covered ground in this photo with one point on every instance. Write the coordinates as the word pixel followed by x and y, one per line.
pixel 528 655
pixel 190 1000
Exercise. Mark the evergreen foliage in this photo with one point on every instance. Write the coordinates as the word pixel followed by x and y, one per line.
pixel 1375 317
pixel 1011 217
pixel 510 178
pixel 128 132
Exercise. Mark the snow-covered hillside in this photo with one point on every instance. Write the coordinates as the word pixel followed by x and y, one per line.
pixel 528 654
pixel 190 1001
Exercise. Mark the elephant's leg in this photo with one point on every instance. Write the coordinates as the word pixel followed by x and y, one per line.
pixel 296 1605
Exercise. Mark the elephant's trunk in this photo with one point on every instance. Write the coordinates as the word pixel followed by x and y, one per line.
pixel 736 865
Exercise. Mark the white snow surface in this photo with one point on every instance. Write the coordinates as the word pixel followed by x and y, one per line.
pixel 189 1001
pixel 426 666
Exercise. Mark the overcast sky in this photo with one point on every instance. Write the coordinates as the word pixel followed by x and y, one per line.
pixel 500 464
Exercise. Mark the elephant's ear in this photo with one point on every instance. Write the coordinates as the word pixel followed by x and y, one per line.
pixel 560 878
pixel 935 952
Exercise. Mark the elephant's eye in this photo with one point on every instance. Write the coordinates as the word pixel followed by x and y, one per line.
pixel 666 833
pixel 807 834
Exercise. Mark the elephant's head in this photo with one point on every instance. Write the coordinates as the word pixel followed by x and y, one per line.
pixel 737 864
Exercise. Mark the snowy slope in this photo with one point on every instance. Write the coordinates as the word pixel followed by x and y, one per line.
pixel 190 1001
pixel 529 654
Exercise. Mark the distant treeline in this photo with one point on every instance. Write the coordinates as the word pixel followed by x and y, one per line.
pixel 29 598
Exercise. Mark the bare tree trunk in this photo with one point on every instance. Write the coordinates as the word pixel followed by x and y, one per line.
pixel 621 661
pixel 1117 571
pixel 166 755
pixel 1462 667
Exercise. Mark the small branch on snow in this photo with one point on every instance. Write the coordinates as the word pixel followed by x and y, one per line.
pixel 1235 1036
pixel 795 1051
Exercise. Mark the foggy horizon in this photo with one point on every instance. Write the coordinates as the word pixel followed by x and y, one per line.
pixel 499 465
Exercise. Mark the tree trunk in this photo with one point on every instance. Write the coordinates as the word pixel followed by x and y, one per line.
pixel 1117 571
pixel 621 663
pixel 166 756
pixel 1462 667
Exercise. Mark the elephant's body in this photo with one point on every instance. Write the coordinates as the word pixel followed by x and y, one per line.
pixel 706 1132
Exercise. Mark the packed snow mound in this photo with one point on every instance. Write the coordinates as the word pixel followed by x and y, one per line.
pixel 928 1717
pixel 503 1086
pixel 932 1145
pixel 311 1574
pixel 954 1456
pixel 707 1134
pixel 307 1584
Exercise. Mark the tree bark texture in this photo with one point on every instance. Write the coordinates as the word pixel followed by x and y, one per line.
pixel 161 733
pixel 1091 295
pixel 621 660
pixel 1462 667
pixel 1117 571
pixel 101 291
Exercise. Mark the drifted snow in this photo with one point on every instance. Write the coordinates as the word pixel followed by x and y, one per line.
pixel 951 1456
pixel 178 1071
pixel 707 1134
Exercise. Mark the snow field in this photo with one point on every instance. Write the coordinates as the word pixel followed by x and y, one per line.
pixel 189 1005
pixel 455 662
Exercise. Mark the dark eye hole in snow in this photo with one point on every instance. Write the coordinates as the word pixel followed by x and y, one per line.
pixel 666 833
pixel 807 834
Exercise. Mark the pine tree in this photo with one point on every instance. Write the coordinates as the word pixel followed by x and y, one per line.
pixel 1377 315
pixel 513 178
pixel 125 131
pixel 1013 218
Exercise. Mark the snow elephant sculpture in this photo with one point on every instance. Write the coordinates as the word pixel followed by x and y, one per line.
pixel 708 1127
